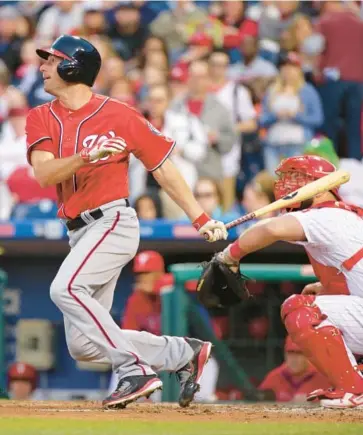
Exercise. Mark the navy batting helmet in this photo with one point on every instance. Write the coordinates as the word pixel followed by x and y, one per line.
pixel 81 60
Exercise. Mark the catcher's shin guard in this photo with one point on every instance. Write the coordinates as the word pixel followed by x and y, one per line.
pixel 324 346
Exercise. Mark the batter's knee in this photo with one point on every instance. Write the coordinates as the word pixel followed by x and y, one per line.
pixel 299 313
pixel 77 352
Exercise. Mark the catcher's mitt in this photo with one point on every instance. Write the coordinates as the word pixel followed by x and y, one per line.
pixel 219 286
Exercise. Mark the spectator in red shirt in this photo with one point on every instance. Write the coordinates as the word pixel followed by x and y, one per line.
pixel 293 380
pixel 341 73
pixel 237 26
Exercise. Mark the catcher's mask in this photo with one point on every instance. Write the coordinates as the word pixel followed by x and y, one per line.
pixel 298 171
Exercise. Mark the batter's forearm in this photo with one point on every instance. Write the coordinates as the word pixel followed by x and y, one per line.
pixel 170 179
pixel 55 171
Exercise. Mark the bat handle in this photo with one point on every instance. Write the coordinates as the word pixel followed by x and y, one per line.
pixel 240 220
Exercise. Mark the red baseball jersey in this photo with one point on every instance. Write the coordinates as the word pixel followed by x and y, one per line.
pixel 288 387
pixel 63 132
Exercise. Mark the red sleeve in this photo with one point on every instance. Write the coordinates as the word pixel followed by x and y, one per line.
pixel 37 134
pixel 147 143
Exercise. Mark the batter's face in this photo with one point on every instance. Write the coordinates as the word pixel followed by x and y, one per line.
pixel 53 84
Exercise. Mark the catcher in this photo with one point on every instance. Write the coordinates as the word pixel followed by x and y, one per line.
pixel 326 320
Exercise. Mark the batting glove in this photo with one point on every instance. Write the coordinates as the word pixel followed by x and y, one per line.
pixel 108 147
pixel 211 229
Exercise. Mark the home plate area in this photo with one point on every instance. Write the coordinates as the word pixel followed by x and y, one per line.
pixel 239 412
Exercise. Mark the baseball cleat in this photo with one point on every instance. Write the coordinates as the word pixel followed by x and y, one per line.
pixel 320 394
pixel 349 400
pixel 190 374
pixel 130 389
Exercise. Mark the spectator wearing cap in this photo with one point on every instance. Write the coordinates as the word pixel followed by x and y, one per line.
pixel 352 191
pixel 178 79
pixel 22 381
pixel 178 24
pixel 214 116
pixel 253 65
pixel 61 18
pixel 237 100
pixel 291 113
pixel 341 73
pixel 127 34
pixel 295 378
pixel 10 40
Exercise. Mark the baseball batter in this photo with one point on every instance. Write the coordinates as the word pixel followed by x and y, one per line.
pixel 326 321
pixel 81 142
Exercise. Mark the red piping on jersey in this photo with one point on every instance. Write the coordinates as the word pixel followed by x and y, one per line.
pixel 94 318
pixel 77 135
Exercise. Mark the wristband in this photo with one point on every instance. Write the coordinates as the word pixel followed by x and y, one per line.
pixel 201 221
pixel 235 250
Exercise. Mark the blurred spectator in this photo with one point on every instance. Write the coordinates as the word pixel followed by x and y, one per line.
pixel 274 19
pixel 208 195
pixel 10 40
pixel 294 379
pixel 352 191
pixel 236 24
pixel 22 381
pixel 60 18
pixel 259 193
pixel 112 66
pixel 121 89
pixel 127 34
pixel 177 25
pixel 341 70
pixel 215 118
pixel 94 20
pixel 301 37
pixel 236 99
pixel 253 65
pixel 154 46
pixel 189 135
pixel 186 129
pixel 28 77
pixel 291 113
pixel 10 97
pixel 178 79
pixel 148 208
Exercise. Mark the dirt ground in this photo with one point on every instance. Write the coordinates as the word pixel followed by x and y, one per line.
pixel 170 412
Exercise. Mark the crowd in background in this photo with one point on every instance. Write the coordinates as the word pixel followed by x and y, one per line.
pixel 238 84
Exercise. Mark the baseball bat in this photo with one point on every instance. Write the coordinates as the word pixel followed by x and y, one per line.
pixel 328 182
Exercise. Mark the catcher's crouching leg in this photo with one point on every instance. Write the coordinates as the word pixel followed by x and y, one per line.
pixel 323 346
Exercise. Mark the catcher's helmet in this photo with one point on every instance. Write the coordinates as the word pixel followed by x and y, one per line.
pixel 81 60
pixel 298 171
